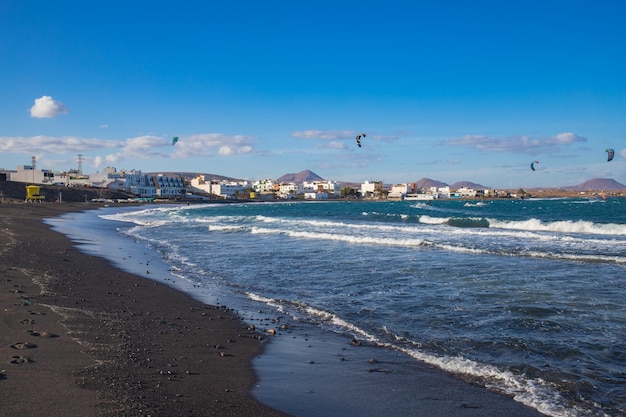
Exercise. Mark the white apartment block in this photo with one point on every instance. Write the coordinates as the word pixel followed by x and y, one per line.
pixel 373 187
pixel 290 190
pixel 152 186
pixel 224 189
pixel 330 187
pixel 263 186
pixel 28 173
pixel 466 192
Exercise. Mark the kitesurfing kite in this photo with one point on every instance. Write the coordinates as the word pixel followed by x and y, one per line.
pixel 532 165
pixel 174 140
pixel 358 138
pixel 611 153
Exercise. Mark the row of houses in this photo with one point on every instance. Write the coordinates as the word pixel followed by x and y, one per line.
pixel 142 185
pixel 266 189
pixel 409 191
pixel 164 186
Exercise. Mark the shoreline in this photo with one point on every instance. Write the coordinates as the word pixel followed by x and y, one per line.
pixel 81 337
pixel 140 347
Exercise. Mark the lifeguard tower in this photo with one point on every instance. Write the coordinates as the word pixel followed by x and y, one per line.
pixel 32 194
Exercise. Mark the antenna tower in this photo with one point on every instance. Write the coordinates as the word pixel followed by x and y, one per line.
pixel 80 160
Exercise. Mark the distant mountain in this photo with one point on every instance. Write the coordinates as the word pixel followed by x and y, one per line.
pixel 598 184
pixel 427 183
pixel 300 177
pixel 467 184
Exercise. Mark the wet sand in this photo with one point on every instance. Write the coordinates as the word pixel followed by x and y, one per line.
pixel 79 337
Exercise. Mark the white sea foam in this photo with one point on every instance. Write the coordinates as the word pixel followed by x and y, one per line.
pixel 534 393
pixel 227 228
pixel 619 260
pixel 341 237
pixel 568 226
pixel 433 220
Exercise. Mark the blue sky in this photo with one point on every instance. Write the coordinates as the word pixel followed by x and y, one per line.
pixel 449 90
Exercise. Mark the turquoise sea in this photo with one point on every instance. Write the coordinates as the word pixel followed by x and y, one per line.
pixel 524 297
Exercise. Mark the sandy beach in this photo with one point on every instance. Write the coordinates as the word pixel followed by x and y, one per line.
pixel 79 337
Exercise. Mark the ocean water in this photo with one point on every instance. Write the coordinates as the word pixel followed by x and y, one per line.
pixel 524 297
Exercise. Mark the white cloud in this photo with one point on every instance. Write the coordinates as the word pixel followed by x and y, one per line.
pixel 140 147
pixel 568 137
pixel 225 150
pixel 337 145
pixel 46 107
pixel 55 145
pixel 326 135
pixel 143 146
pixel 335 135
pixel 524 144
pixel 211 144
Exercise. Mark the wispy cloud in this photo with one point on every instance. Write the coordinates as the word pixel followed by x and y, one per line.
pixel 143 147
pixel 139 147
pixel 523 144
pixel 47 107
pixel 337 135
pixel 331 145
pixel 324 134
pixel 54 145
pixel 211 144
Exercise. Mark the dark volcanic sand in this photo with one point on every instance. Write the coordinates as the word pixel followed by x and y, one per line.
pixel 79 337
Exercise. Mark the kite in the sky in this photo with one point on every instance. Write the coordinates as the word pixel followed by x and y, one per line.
pixel 174 140
pixel 532 165
pixel 611 153
pixel 358 138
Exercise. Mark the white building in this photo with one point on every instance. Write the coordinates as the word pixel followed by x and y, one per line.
pixel 373 188
pixel 263 186
pixel 200 183
pixel 109 178
pixel 466 192
pixel 399 191
pixel 28 173
pixel 229 189
pixel 290 190
pixel 314 195
pixel 154 186
pixel 223 188
pixel 430 193
pixel 330 187
pixel 441 192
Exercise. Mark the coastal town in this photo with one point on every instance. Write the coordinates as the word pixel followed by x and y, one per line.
pixel 150 186
pixel 303 186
